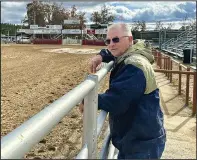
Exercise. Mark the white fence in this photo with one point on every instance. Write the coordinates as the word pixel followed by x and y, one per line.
pixel 18 142
pixel 71 41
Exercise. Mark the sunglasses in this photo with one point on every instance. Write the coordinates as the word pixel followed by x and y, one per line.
pixel 114 40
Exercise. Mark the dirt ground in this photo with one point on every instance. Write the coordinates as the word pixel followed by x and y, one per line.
pixel 32 77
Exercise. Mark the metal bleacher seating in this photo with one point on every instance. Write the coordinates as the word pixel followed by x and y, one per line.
pixel 185 40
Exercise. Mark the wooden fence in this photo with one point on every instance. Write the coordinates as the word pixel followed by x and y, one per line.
pixel 165 64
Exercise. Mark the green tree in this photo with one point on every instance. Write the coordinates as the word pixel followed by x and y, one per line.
pixel 12 28
pixel 35 13
pixel 102 17
pixel 95 17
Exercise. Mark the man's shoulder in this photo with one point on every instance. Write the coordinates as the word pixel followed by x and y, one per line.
pixel 137 60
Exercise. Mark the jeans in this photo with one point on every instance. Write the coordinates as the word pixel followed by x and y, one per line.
pixel 151 153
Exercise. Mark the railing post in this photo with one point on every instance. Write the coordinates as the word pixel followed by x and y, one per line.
pixel 168 68
pixel 187 88
pixel 160 60
pixel 194 95
pixel 180 69
pixel 157 53
pixel 90 119
pixel 165 65
pixel 171 69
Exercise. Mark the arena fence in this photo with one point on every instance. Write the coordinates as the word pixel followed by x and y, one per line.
pixel 47 41
pixel 93 42
pixel 22 139
pixel 68 41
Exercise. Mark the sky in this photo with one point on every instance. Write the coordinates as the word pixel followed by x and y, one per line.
pixel 124 11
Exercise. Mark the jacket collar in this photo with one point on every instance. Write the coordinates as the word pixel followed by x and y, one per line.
pixel 127 53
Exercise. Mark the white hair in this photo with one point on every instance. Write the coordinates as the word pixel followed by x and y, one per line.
pixel 125 28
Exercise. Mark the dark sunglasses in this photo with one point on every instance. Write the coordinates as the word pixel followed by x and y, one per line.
pixel 114 40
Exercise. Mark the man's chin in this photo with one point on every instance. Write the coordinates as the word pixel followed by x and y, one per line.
pixel 114 53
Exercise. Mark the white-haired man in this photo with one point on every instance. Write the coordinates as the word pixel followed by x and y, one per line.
pixel 132 100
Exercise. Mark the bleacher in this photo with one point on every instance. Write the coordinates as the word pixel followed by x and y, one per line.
pixel 185 40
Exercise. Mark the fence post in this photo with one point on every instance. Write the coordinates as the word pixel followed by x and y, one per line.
pixel 165 64
pixel 90 119
pixel 157 53
pixel 168 68
pixel 180 69
pixel 171 69
pixel 187 87
pixel 159 60
pixel 194 95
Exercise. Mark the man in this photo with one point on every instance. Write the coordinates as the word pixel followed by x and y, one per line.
pixel 132 100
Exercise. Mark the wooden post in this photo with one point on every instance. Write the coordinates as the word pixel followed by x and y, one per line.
pixel 187 88
pixel 164 67
pixel 194 96
pixel 157 57
pixel 166 61
pixel 170 69
pixel 180 69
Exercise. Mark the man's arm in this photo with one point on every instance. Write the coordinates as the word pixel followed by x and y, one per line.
pixel 106 55
pixel 124 90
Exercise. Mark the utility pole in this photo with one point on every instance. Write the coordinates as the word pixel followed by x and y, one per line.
pixel 8 34
pixel 34 21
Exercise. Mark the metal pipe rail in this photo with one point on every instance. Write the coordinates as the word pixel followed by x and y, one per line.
pixel 18 142
pixel 83 154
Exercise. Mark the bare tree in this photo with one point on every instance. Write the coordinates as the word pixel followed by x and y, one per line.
pixel 135 26
pixel 139 26
pixel 184 22
pixel 170 25
pixel 192 24
pixel 143 25
pixel 158 26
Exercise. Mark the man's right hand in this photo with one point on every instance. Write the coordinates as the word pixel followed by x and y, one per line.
pixel 94 62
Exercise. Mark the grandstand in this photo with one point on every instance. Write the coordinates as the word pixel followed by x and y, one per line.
pixel 183 41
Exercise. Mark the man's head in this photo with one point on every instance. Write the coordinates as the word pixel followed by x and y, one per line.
pixel 119 39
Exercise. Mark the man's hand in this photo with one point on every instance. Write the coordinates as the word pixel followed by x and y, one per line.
pixel 94 62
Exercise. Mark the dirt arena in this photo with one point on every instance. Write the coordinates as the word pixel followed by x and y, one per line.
pixel 33 76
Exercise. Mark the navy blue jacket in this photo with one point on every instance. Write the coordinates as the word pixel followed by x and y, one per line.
pixel 135 116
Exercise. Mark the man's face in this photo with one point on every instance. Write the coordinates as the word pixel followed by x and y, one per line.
pixel 118 41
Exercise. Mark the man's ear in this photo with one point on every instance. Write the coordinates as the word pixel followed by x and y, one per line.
pixel 131 39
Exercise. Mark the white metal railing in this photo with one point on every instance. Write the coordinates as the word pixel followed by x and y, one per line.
pixel 18 142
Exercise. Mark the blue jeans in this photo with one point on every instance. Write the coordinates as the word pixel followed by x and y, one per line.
pixel 151 153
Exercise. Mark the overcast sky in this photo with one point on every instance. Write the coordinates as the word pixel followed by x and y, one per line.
pixel 127 11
